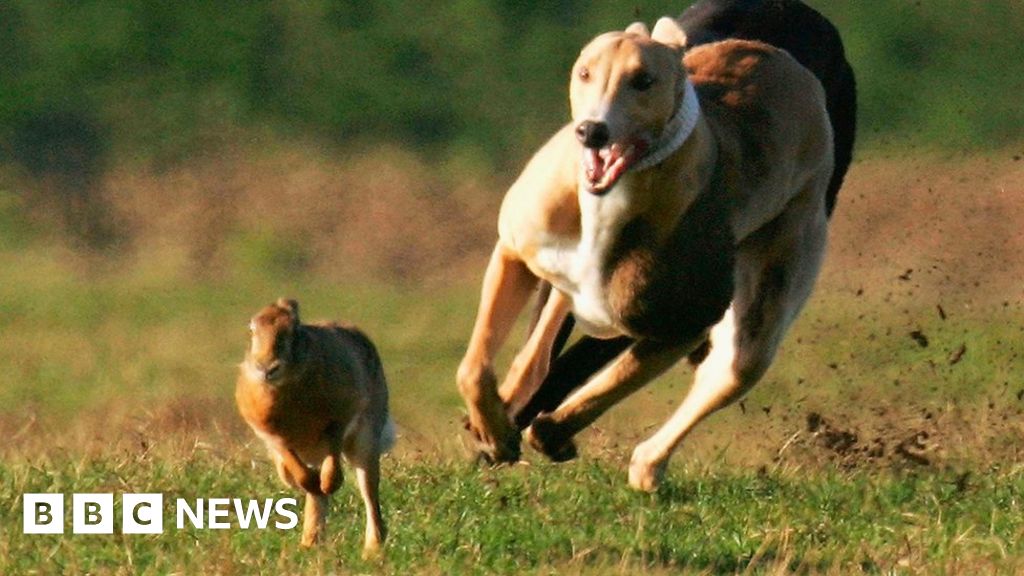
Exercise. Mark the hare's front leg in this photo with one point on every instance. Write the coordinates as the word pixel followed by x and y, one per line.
pixel 315 519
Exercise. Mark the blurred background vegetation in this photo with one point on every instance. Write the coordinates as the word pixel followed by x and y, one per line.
pixel 139 123
pixel 144 80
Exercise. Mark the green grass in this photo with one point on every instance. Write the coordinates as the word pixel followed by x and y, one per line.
pixel 451 518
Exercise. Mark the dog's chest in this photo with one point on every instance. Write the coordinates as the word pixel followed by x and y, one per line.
pixel 578 266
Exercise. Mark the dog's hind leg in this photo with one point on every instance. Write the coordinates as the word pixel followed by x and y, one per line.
pixel 775 273
pixel 715 384
pixel 569 371
pixel 551 433
pixel 507 286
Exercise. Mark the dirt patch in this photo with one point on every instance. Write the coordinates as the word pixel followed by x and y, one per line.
pixel 950 437
pixel 385 214
pixel 847 446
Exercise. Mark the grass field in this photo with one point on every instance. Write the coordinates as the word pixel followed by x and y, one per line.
pixel 886 438
pixel 449 518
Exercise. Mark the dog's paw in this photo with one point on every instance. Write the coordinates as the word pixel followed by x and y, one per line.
pixel 495 438
pixel 646 474
pixel 545 437
pixel 494 449
pixel 498 453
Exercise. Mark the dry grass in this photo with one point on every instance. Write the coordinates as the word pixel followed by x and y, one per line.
pixel 952 221
pixel 298 209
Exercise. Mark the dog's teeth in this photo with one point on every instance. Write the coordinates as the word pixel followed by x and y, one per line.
pixel 593 165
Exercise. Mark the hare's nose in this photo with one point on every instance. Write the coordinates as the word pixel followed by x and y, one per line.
pixel 270 370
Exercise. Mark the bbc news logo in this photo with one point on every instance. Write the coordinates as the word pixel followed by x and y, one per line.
pixel 144 513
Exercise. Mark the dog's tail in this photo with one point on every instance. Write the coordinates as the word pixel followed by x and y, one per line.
pixel 841 103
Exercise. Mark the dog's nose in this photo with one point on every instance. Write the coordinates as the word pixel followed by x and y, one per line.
pixel 592 134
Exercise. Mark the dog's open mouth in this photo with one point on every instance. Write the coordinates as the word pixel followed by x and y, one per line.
pixel 604 166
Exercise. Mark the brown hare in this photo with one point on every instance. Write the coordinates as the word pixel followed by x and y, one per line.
pixel 314 393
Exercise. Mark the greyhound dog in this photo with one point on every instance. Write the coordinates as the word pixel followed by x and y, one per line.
pixel 687 202
pixel 814 42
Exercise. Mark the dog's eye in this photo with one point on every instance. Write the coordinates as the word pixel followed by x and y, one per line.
pixel 584 73
pixel 641 81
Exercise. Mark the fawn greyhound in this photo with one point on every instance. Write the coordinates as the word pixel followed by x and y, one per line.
pixel 813 41
pixel 686 202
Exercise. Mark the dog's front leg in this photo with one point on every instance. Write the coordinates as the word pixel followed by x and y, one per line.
pixel 532 362
pixel 507 287
pixel 551 433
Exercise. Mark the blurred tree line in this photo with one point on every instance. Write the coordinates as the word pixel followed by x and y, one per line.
pixel 90 84
pixel 153 79
pixel 144 79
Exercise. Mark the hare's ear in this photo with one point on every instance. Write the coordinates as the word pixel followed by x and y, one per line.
pixel 638 28
pixel 668 31
pixel 292 306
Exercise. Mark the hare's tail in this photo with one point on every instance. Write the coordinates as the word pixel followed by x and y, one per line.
pixel 387 435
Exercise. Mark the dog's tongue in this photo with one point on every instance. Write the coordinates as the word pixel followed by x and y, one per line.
pixel 604 166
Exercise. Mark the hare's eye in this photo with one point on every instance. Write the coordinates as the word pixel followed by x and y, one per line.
pixel 584 73
pixel 641 81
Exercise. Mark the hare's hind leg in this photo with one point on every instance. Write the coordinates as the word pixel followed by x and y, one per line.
pixel 363 452
pixel 368 479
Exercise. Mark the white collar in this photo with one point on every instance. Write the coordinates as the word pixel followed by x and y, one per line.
pixel 677 130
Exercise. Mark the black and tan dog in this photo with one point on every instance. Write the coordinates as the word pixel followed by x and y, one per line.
pixel 687 201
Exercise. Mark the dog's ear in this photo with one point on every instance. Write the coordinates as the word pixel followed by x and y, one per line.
pixel 668 31
pixel 638 28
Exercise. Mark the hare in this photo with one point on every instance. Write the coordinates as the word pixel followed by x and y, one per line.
pixel 314 393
